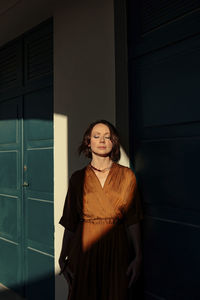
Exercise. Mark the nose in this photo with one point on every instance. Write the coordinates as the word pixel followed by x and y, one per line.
pixel 102 139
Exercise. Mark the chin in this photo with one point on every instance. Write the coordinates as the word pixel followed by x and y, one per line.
pixel 101 153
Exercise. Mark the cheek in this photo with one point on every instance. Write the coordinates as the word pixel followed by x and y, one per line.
pixel 110 144
pixel 93 143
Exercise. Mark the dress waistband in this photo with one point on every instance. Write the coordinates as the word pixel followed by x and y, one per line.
pixel 103 220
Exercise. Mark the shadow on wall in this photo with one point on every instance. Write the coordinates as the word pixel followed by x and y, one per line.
pixel 9 295
pixel 41 290
pixel 135 291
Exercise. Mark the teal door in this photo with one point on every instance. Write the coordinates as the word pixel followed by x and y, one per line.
pixel 26 168
pixel 10 194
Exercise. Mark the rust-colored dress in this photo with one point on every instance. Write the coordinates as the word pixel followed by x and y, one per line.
pixel 99 252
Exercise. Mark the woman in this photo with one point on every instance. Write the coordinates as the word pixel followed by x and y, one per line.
pixel 101 207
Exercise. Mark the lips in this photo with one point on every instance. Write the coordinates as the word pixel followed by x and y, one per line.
pixel 102 147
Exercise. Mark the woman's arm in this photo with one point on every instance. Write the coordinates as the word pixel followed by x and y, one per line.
pixel 135 236
pixel 67 237
pixel 134 267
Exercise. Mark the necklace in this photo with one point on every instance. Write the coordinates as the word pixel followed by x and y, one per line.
pixel 104 170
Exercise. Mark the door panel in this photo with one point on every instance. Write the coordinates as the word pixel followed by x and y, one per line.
pixel 10 266
pixel 38 112
pixel 38 195
pixel 9 127
pixel 167 267
pixel 40 179
pixel 175 72
pixel 40 222
pixel 40 280
pixel 8 162
pixel 10 193
pixel 9 222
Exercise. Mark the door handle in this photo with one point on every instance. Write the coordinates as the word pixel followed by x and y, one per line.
pixel 25 184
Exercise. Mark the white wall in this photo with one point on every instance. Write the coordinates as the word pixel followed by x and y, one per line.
pixel 84 88
pixel 84 66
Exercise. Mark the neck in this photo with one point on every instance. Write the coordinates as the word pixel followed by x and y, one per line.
pixel 101 162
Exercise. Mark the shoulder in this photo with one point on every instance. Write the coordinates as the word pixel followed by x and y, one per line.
pixel 77 176
pixel 126 171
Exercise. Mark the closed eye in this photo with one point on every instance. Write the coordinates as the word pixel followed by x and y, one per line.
pixel 97 136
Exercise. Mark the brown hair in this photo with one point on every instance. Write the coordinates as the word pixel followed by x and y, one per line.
pixel 114 154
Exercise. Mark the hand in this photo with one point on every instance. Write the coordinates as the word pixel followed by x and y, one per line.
pixel 134 269
pixel 68 276
pixel 66 271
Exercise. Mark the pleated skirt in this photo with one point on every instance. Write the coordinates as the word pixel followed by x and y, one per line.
pixel 100 271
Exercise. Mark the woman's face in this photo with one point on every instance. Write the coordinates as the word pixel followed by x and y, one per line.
pixel 100 140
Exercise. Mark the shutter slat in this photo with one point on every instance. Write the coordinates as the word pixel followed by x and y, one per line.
pixel 156 13
pixel 39 56
pixel 8 67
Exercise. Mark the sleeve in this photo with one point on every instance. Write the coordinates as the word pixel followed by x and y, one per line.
pixel 70 217
pixel 134 213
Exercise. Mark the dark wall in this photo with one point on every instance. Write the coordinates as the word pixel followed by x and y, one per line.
pixel 164 92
